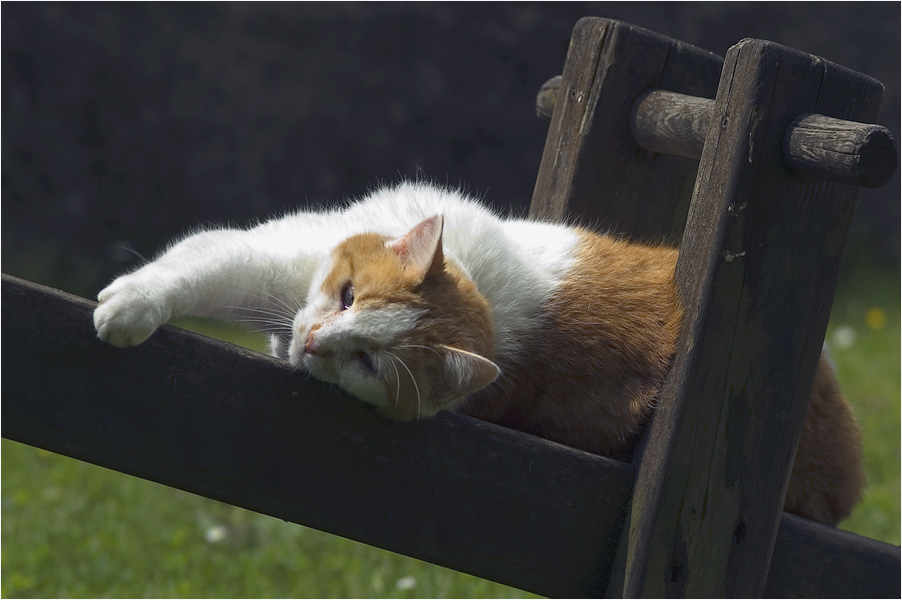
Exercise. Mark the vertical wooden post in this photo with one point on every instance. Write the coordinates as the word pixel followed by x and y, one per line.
pixel 591 168
pixel 757 270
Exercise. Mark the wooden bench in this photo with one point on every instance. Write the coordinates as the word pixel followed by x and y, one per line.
pixel 766 216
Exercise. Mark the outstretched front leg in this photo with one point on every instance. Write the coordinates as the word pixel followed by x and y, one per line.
pixel 255 276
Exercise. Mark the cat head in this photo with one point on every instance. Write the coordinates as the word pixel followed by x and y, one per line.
pixel 394 323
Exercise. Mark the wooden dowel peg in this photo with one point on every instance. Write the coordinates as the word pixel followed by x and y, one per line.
pixel 822 147
pixel 547 97
pixel 671 123
pixel 831 149
pixel 841 151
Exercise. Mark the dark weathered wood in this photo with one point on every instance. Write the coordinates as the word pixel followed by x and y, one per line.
pixel 237 426
pixel 757 271
pixel 671 123
pixel 240 427
pixel 848 565
pixel 840 151
pixel 591 167
pixel 823 147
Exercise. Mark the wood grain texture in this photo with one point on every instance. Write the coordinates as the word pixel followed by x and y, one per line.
pixel 757 271
pixel 840 151
pixel 671 123
pixel 592 169
pixel 847 565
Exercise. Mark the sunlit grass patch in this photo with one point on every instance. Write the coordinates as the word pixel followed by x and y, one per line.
pixel 71 529
pixel 864 337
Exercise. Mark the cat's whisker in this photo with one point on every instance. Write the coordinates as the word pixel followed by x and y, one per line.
pixel 293 304
pixel 265 325
pixel 271 302
pixel 265 318
pixel 297 369
pixel 337 390
pixel 270 329
pixel 397 383
pixel 415 386
pixel 264 311
pixel 281 322
pixel 420 346
pixel 269 296
pixel 262 319
pixel 279 303
pixel 140 256
pixel 290 301
pixel 268 325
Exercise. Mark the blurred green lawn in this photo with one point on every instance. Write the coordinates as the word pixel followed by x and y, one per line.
pixel 70 529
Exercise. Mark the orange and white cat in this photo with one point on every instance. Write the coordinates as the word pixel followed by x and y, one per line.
pixel 417 299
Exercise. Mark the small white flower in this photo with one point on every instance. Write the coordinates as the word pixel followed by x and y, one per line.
pixel 216 534
pixel 843 337
pixel 406 583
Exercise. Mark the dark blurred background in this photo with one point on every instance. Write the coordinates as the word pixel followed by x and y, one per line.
pixel 125 124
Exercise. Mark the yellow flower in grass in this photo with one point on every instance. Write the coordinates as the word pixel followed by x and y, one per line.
pixel 875 318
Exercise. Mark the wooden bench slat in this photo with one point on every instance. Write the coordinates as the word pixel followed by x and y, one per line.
pixel 847 565
pixel 239 427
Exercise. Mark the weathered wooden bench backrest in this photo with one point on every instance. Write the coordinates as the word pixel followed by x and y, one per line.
pixel 757 269
pixel 759 262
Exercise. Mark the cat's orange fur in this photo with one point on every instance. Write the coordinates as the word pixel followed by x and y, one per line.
pixel 827 477
pixel 590 375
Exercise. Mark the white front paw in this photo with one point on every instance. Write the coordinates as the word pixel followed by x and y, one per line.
pixel 129 312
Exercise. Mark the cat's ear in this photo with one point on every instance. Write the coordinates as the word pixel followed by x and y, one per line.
pixel 421 247
pixel 465 373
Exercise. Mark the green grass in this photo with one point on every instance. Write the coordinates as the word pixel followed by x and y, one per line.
pixel 866 312
pixel 71 529
pixel 77 530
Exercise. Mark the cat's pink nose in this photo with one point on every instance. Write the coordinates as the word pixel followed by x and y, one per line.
pixel 311 347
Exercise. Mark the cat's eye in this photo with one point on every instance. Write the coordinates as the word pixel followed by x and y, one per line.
pixel 347 296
